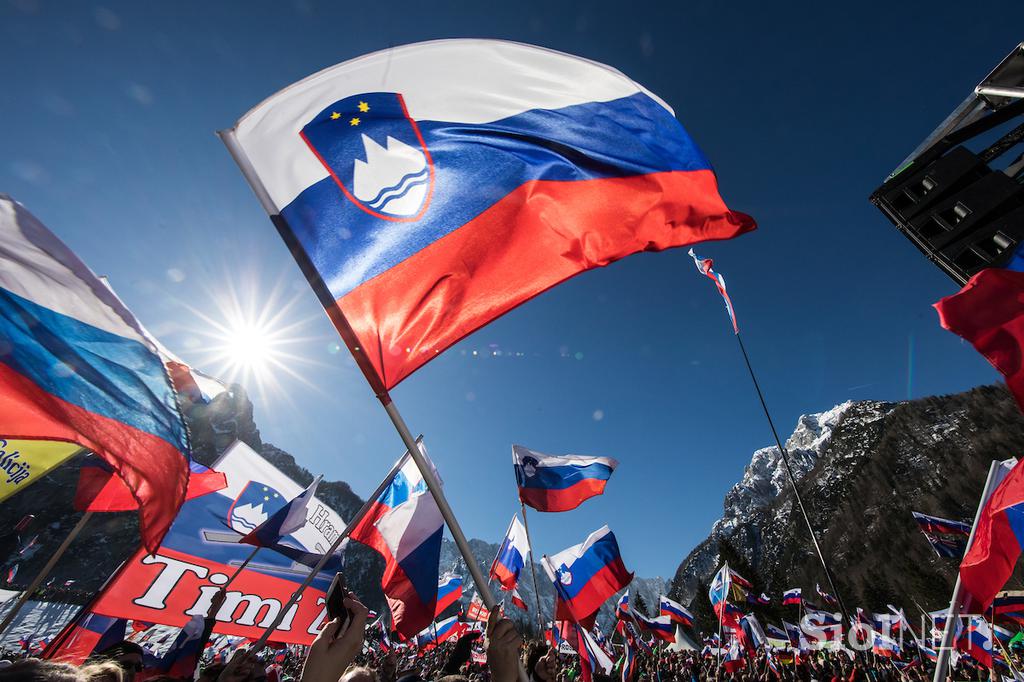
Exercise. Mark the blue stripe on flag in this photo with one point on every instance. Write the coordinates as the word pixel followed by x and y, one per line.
pixel 101 372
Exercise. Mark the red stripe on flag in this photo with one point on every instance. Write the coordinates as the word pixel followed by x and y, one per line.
pixel 153 468
pixel 536 237
pixel 989 312
pixel 562 499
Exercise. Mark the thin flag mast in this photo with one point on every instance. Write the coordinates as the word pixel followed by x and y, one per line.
pixel 704 266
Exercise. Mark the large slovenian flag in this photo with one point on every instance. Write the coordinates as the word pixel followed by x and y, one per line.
pixel 586 575
pixel 558 483
pixel 79 368
pixel 427 189
pixel 511 556
pixel 405 527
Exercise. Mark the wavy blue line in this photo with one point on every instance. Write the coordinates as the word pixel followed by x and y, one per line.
pixel 397 187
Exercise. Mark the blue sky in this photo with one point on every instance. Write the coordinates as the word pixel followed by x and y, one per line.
pixel 108 117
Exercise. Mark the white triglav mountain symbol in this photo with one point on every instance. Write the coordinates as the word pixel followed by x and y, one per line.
pixel 392 180
pixel 248 516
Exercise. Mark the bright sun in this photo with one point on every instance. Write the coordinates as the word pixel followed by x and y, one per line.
pixel 248 347
pixel 252 336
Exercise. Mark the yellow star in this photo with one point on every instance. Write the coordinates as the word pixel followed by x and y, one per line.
pixel 364 107
pixel 354 121
pixel 335 115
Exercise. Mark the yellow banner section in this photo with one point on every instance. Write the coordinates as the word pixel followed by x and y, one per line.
pixel 23 462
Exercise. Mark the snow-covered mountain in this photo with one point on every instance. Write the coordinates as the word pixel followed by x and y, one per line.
pixel 861 468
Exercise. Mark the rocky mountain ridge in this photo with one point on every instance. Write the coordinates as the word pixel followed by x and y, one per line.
pixel 861 468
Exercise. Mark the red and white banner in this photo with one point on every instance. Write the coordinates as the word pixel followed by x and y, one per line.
pixel 201 552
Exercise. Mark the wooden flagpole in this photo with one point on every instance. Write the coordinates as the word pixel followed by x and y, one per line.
pixel 377 384
pixel 45 571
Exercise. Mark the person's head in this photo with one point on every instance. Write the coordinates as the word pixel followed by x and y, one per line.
pixel 127 655
pixel 35 670
pixel 359 673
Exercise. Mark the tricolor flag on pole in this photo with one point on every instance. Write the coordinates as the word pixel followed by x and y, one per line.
pixel 284 521
pixel 511 556
pixel 392 176
pixel 592 656
pixel 449 591
pixel 557 483
pixel 792 597
pixel 405 527
pixel 80 368
pixel 517 600
pixel 676 611
pixel 704 266
pixel 586 575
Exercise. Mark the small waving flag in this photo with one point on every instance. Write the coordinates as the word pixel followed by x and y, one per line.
pixel 405 527
pixel 477 611
pixel 829 599
pixel 511 556
pixel 676 611
pixel 704 266
pixel 558 483
pixel 517 600
pixel 939 526
pixel 449 591
pixel 661 627
pixel 592 656
pixel 792 597
pixel 89 633
pixel 284 521
pixel 586 575
pixel 392 177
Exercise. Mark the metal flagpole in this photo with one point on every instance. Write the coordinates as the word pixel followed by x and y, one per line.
pixel 327 300
pixel 942 664
pixel 792 481
pixel 533 569
pixel 330 552
pixel 34 585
